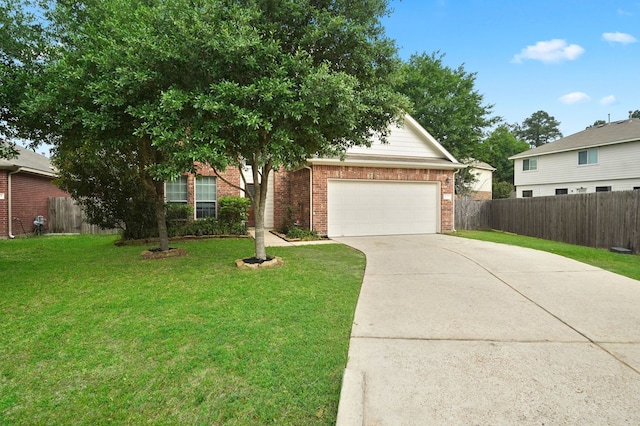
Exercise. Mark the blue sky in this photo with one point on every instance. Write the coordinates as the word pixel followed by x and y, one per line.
pixel 577 60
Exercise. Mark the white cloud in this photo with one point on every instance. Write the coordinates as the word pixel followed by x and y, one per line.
pixel 608 100
pixel 574 98
pixel 555 50
pixel 619 38
pixel 623 12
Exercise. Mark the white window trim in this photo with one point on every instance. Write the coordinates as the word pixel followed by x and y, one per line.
pixel 530 170
pixel 588 163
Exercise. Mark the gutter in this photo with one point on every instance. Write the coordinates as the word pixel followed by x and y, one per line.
pixel 9 202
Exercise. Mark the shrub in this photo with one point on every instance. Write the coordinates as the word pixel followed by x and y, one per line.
pixel 296 233
pixel 233 210
pixel 289 222
pixel 232 214
pixel 179 216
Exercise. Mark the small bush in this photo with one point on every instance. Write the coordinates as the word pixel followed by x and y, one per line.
pixel 232 214
pixel 233 209
pixel 179 216
pixel 179 212
pixel 289 222
pixel 296 233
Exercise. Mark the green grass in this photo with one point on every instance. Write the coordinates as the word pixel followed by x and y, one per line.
pixel 627 265
pixel 93 334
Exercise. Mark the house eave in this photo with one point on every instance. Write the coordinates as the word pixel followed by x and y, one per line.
pixel 528 154
pixel 22 169
pixel 387 162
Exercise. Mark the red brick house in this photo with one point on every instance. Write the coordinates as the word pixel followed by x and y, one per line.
pixel 403 187
pixel 25 187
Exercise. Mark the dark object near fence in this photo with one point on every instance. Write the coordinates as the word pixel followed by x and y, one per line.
pixel 620 250
pixel 38 224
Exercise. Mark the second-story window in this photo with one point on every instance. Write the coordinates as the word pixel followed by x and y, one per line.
pixel 530 164
pixel 588 156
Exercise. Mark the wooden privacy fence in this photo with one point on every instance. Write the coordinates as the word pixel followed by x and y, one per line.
pixel 601 219
pixel 66 217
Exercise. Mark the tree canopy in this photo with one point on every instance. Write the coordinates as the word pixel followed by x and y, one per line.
pixel 538 129
pixel 496 150
pixel 446 103
pixel 257 83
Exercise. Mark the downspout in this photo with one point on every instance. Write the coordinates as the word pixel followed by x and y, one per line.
pixel 453 199
pixel 310 197
pixel 9 210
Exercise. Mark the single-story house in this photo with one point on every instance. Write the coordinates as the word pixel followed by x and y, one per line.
pixel 403 187
pixel 26 183
pixel 600 158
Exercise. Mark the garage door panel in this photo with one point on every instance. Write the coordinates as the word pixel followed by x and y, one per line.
pixel 381 207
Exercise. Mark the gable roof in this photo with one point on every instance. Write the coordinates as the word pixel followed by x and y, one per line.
pixel 28 161
pixel 481 165
pixel 410 146
pixel 606 134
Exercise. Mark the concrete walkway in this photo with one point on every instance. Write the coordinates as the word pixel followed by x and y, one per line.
pixel 455 331
pixel 272 240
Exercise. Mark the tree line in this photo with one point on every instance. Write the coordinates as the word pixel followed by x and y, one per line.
pixel 130 97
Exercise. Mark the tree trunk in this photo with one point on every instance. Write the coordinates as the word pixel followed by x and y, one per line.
pixel 161 216
pixel 261 184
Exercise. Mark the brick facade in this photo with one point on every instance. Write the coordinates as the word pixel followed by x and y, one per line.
pixel 298 196
pixel 4 204
pixel 29 197
pixel 292 190
pixel 223 189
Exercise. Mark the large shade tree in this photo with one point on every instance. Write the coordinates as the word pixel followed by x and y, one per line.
pixel 446 103
pixel 256 83
pixel 19 47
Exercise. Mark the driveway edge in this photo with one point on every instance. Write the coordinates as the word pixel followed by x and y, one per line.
pixel 351 405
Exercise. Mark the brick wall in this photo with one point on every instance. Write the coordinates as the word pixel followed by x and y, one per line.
pixel 223 189
pixel 4 204
pixel 322 173
pixel 30 194
pixel 300 197
pixel 232 174
pixel 281 196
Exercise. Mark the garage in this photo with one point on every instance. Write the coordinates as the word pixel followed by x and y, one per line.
pixel 366 207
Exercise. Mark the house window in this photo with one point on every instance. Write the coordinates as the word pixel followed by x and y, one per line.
pixel 206 196
pixel 176 191
pixel 603 188
pixel 527 193
pixel 529 164
pixel 636 187
pixel 562 191
pixel 588 156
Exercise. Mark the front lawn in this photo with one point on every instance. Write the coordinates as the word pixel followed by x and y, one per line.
pixel 623 264
pixel 93 334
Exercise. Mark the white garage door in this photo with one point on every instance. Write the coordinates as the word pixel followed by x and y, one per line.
pixel 381 208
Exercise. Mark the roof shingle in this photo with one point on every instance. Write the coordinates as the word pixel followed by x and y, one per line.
pixel 605 134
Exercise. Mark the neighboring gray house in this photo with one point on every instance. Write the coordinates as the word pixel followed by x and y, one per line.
pixel 598 159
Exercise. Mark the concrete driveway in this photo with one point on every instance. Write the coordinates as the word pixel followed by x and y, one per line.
pixel 455 331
